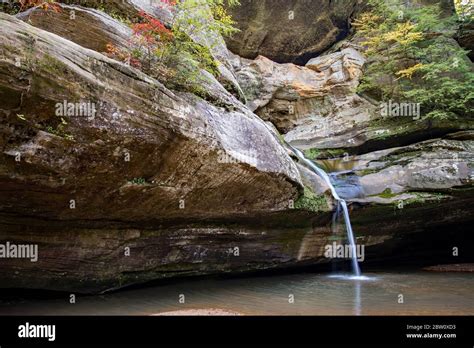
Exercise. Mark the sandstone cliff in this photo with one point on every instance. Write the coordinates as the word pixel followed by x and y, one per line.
pixel 159 183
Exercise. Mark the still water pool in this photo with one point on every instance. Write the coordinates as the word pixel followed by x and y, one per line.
pixel 377 293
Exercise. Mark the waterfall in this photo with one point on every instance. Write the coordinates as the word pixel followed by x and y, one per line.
pixel 340 204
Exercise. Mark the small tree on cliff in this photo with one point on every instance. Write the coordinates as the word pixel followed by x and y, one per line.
pixel 413 58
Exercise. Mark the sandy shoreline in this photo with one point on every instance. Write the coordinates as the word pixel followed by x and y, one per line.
pixel 200 312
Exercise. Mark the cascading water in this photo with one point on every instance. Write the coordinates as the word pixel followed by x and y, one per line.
pixel 341 204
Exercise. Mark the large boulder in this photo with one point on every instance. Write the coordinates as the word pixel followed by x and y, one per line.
pixel 64 71
pixel 290 31
pixel 176 179
pixel 127 9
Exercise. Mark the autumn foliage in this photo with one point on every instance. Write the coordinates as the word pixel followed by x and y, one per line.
pixel 412 58
pixel 122 55
pixel 43 4
pixel 151 30
pixel 149 41
pixel 167 51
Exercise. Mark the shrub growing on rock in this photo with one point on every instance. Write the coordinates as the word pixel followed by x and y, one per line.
pixel 169 53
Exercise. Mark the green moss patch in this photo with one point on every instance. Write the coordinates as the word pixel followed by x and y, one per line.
pixel 310 201
pixel 387 193
pixel 312 154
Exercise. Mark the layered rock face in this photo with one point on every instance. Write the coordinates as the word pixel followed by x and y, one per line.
pixel 290 30
pixel 313 106
pixel 160 172
pixel 438 165
pixel 317 108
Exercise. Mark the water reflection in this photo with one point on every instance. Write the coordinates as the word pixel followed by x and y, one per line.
pixel 357 302
pixel 356 281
